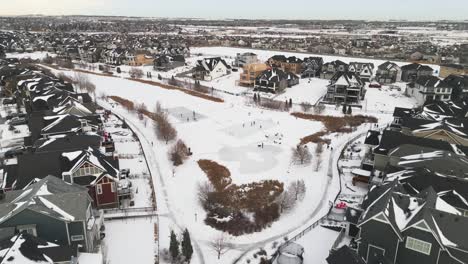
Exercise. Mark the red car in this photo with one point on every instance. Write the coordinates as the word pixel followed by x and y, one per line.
pixel 375 85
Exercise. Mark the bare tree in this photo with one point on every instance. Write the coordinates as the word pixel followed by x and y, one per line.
pixel 178 153
pixel 318 156
pixel 318 162
pixel 285 201
pixel 297 189
pixel 158 110
pixel 141 110
pixel 301 155
pixel 220 245
pixel 319 109
pixel 204 189
pixel 136 73
pixel 91 88
pixel 164 129
pixel 306 106
pixel 81 80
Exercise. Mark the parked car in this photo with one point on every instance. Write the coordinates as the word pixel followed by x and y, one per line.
pixel 16 121
pixel 375 85
pixel 14 152
pixel 21 115
pixel 8 101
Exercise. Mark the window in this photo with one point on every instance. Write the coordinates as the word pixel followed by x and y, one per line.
pixel 99 188
pixel 30 229
pixel 77 238
pixel 112 187
pixel 418 245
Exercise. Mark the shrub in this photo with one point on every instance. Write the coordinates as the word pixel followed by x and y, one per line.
pixel 178 153
pixel 218 175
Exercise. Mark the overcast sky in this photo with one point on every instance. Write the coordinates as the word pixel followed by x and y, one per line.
pixel 300 9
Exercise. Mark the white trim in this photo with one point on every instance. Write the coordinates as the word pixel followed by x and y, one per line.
pixel 422 243
pixel 99 188
pixel 368 249
pixel 75 238
pixel 415 225
pixel 396 251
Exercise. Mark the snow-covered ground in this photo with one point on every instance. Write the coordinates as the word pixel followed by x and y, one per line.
pixel 230 133
pixel 130 241
pixel 37 55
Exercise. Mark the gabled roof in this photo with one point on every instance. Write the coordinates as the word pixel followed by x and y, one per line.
pixel 72 160
pixel 50 196
pixel 455 126
pixel 431 81
pixel 68 142
pixel 208 64
pixel 372 138
pixel 344 255
pixel 402 112
pixel 402 211
pixel 417 67
pixel 276 75
pixel 439 110
pixel 24 248
pixel 346 78
pixel 453 190
pixel 66 123
pixel 393 139
pixel 388 65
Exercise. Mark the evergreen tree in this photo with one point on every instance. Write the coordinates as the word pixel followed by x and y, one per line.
pixel 187 249
pixel 174 246
pixel 344 109
pixel 255 98
pixel 258 98
pixel 159 77
pixel 350 111
pixel 290 102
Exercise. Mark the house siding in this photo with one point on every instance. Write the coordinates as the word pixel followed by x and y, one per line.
pixel 48 228
pixel 378 234
pixel 408 256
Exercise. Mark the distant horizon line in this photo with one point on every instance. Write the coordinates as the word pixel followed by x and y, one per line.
pixel 247 19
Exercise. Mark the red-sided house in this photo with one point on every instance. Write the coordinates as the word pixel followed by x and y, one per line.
pixel 98 172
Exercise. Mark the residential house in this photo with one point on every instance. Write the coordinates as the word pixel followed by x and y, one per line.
pixel 275 81
pixel 428 88
pixel 363 70
pixel 345 88
pixel 388 72
pixel 311 67
pixel 243 59
pixel 250 73
pixel 26 248
pixel 409 156
pixel 453 190
pixel 344 255
pixel 391 140
pixel 405 228
pixel 459 84
pixel 139 59
pixel 330 69
pixel 452 69
pixel 411 72
pixel 451 130
pixel 288 64
pixel 94 170
pixel 164 62
pixel 209 69
pixel 54 211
